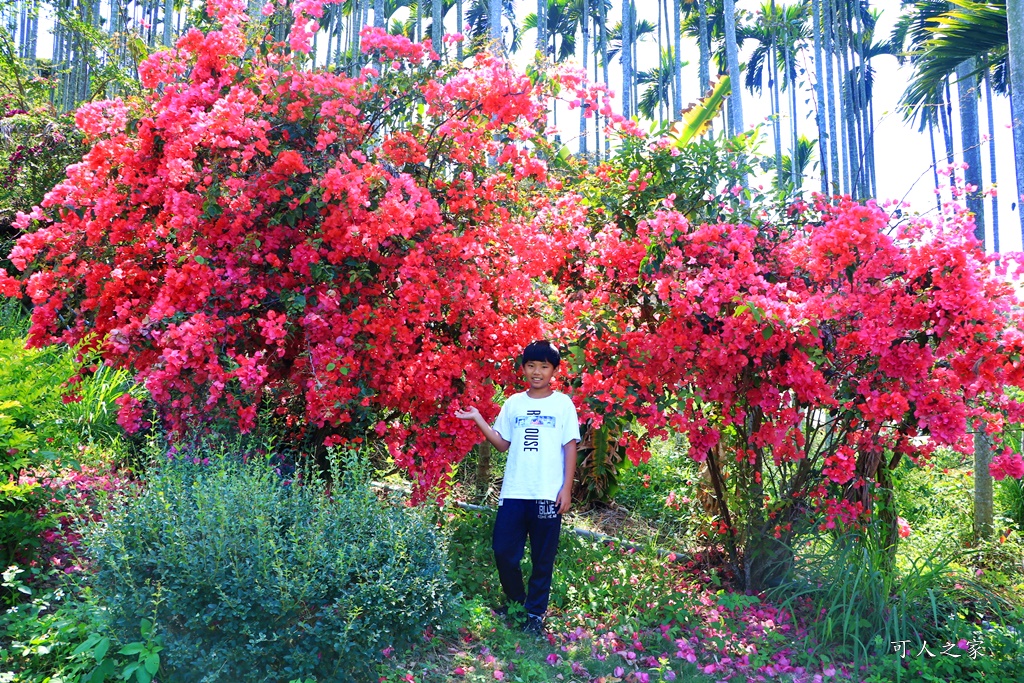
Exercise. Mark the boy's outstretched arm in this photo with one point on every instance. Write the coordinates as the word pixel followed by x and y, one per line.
pixel 564 498
pixel 494 437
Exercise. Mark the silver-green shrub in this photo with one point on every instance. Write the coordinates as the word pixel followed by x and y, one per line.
pixel 250 578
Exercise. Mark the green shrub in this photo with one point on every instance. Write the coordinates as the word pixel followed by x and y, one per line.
pixel 29 389
pixel 42 423
pixel 249 578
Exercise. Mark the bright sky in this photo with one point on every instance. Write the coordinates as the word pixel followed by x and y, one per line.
pixel 903 157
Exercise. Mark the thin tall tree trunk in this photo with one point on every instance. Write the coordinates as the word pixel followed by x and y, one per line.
pixel 773 96
pixel 1015 39
pixel 602 10
pixel 437 26
pixel 459 28
pixel 819 96
pixel 584 25
pixel 983 502
pixel 992 159
pixel 379 20
pixel 733 61
pixel 494 24
pixel 677 60
pixel 794 167
pixel 626 58
pixel 935 166
pixel 946 123
pixel 967 94
pixel 542 26
pixel 846 101
pixel 703 47
pixel 864 121
pixel 636 56
pixel 830 96
pixel 168 21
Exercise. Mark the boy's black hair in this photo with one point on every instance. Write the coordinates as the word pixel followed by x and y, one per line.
pixel 543 351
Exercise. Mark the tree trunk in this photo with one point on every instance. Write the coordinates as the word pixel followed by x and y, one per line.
pixel 542 26
pixel 967 93
pixel 677 63
pixel 483 468
pixel 772 68
pixel 604 65
pixel 168 21
pixel 494 24
pixel 458 28
pixel 379 20
pixel 626 58
pixel 819 96
pixel 437 26
pixel 790 69
pixel 1015 37
pixel 830 96
pixel 733 61
pixel 585 26
pixel 983 517
pixel 992 160
pixel 935 166
pixel 704 47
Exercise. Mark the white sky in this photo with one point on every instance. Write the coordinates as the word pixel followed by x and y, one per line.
pixel 903 158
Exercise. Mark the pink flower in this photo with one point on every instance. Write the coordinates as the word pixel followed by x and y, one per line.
pixel 499 675
pixel 618 672
pixel 1006 465
pixel 902 527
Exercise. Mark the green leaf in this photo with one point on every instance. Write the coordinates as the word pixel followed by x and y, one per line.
pixel 331 366
pixel 129 670
pixel 153 662
pixel 200 260
pixel 344 371
pixel 87 645
pixel 143 676
pixel 698 116
pixel 101 649
pixel 767 333
pixel 132 649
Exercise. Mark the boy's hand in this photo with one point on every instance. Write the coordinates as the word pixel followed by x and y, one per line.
pixel 470 413
pixel 563 500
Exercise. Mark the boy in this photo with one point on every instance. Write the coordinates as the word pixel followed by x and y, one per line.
pixel 540 429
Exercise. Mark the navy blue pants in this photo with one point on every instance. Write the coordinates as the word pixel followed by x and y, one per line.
pixel 517 519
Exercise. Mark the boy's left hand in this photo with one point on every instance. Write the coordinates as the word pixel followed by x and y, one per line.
pixel 563 500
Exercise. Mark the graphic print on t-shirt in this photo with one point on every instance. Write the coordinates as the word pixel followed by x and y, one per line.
pixel 533 421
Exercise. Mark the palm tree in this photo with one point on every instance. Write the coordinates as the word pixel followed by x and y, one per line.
pixel 966 41
pixel 659 81
pixel 970 38
pixel 778 28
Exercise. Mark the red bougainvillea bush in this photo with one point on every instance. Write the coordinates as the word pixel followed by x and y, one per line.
pixel 352 249
pixel 365 252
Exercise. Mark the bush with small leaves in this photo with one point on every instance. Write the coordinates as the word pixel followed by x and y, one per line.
pixel 248 576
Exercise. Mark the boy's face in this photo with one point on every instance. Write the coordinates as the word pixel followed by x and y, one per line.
pixel 538 373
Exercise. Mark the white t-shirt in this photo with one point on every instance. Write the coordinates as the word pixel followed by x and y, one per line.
pixel 537 429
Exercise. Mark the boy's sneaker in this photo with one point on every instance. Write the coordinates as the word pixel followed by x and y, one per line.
pixel 534 625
